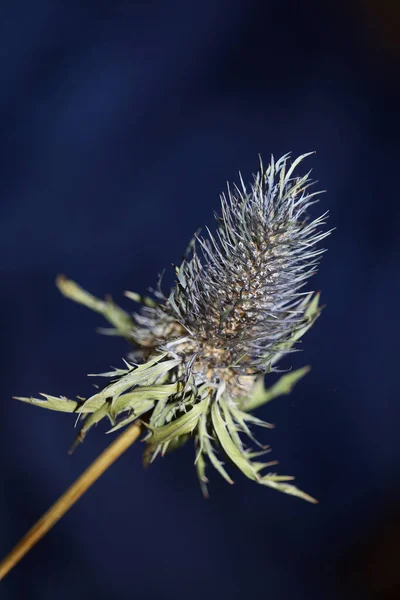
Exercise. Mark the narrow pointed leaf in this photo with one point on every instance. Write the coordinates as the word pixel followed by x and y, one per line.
pixel 180 426
pixel 287 488
pixel 229 446
pixel 283 386
pixel 52 403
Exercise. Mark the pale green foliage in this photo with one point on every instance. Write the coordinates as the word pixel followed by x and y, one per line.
pixel 260 395
pixel 201 353
pixel 177 413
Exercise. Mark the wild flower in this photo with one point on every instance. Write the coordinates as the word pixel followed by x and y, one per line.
pixel 200 354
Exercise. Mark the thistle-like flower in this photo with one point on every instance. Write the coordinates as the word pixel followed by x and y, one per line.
pixel 200 354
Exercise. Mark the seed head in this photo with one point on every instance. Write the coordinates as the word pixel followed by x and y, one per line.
pixel 200 354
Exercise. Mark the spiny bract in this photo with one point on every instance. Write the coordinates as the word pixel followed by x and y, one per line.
pixel 200 354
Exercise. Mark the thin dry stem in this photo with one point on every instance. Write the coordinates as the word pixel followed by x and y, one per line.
pixel 70 496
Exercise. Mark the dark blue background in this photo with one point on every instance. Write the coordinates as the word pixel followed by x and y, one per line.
pixel 120 124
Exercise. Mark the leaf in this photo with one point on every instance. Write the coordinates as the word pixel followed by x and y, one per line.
pixel 232 451
pixel 260 396
pixel 311 314
pixel 232 426
pixel 242 417
pixel 209 450
pixel 184 424
pixel 61 404
pixel 201 474
pixel 260 466
pixel 239 417
pixel 94 418
pixel 251 470
pixel 156 414
pixel 295 163
pixel 216 463
pixel 136 413
pixel 142 394
pixel 287 488
pixel 142 375
pixel 145 300
pixel 116 373
pixel 178 442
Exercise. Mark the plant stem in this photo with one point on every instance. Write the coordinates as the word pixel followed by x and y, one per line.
pixel 70 496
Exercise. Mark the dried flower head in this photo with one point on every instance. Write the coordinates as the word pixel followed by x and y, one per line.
pixel 200 354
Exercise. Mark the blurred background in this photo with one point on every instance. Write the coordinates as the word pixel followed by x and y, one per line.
pixel 120 124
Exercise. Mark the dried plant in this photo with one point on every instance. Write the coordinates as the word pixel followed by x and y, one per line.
pixel 200 354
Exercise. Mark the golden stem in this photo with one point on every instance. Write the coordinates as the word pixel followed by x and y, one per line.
pixel 69 497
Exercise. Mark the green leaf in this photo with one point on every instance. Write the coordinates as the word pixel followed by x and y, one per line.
pixel 60 404
pixel 259 395
pixel 142 375
pixel 178 442
pixel 287 488
pixel 311 314
pixel 240 418
pixel 157 412
pixel 232 426
pixel 201 474
pixel 231 449
pixel 139 410
pixel 216 463
pixel 150 393
pixel 251 470
pixel 205 442
pixel 94 418
pixel 145 300
pixel 180 426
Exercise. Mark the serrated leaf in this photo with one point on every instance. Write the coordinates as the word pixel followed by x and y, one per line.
pixel 142 375
pixel 287 488
pixel 142 408
pixel 230 448
pixel 155 415
pixel 124 422
pixel 152 393
pixel 260 466
pixel 311 314
pixel 180 426
pixel 60 404
pixel 232 427
pixel 260 396
pixel 239 418
pixel 209 450
pixel 216 463
pixel 94 418
pixel 110 374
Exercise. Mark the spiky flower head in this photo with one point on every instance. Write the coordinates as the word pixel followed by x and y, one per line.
pixel 200 354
